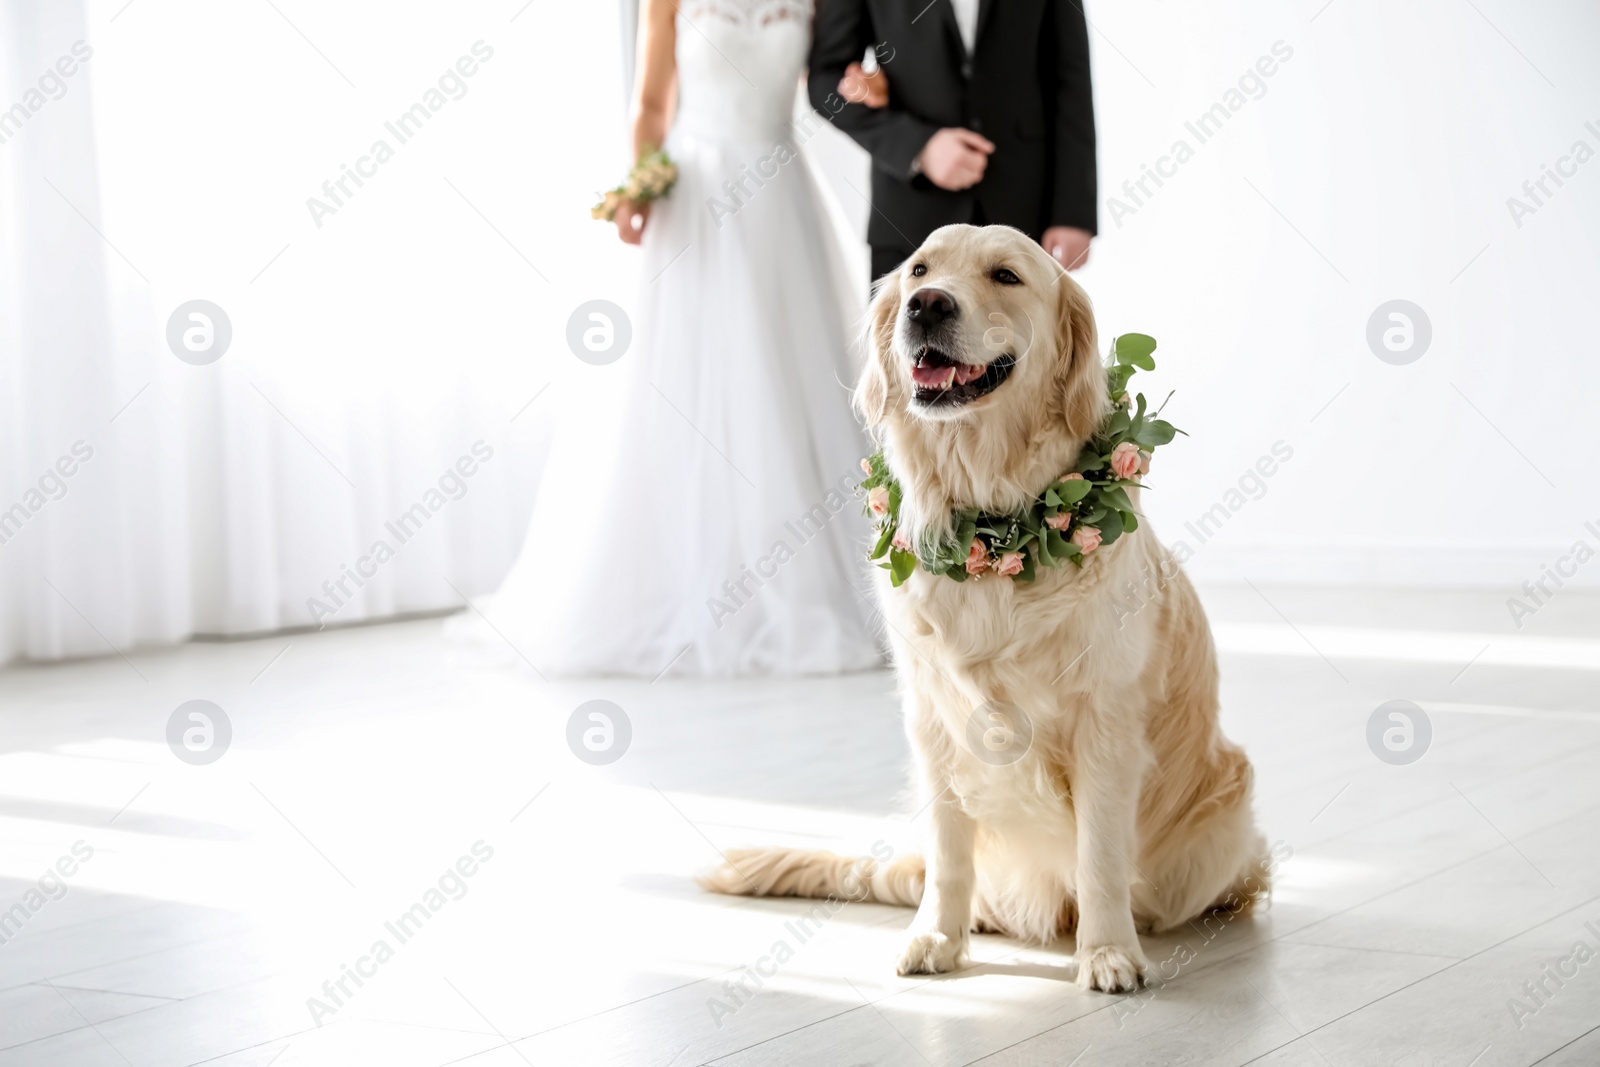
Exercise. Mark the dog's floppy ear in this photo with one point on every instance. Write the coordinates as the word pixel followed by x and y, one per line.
pixel 872 391
pixel 1081 375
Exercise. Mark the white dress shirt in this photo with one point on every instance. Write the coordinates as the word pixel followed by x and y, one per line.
pixel 966 21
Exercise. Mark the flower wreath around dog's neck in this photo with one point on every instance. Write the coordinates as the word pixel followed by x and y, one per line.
pixel 1084 510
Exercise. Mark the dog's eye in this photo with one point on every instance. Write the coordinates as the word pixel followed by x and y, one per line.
pixel 1005 277
pixel 919 270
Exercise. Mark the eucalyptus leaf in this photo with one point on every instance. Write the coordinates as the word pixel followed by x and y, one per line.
pixel 1155 433
pixel 1110 527
pixel 1135 349
pixel 901 564
pixel 1116 497
pixel 884 538
pixel 1072 491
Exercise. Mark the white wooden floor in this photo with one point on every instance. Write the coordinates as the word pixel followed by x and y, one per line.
pixel 216 900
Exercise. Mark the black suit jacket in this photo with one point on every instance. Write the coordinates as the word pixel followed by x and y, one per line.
pixel 1025 88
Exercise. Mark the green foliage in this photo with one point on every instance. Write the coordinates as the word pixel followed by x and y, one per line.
pixel 1135 349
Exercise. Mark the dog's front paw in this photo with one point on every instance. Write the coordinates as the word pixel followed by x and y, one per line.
pixel 932 953
pixel 1110 968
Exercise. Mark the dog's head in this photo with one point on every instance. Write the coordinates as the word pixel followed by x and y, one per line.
pixel 982 358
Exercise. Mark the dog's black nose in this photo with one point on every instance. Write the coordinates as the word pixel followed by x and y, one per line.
pixel 929 307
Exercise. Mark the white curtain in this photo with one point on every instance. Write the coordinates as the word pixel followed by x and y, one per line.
pixel 392 372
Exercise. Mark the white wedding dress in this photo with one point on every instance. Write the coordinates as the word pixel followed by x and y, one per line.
pixel 711 528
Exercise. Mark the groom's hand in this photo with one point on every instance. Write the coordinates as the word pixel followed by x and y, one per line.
pixel 955 159
pixel 1067 245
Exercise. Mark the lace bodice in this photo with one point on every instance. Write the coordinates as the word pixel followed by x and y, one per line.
pixel 739 64
pixel 749 12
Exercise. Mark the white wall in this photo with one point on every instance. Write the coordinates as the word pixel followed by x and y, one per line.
pixel 1390 140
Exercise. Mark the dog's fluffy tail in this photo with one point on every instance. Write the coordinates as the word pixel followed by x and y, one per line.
pixel 793 872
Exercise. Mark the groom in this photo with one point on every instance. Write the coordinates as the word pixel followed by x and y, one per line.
pixel 989 119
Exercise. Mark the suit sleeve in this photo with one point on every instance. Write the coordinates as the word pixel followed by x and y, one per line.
pixel 1073 200
pixel 893 137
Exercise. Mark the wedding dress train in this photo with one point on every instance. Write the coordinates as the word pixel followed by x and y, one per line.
pixel 711 528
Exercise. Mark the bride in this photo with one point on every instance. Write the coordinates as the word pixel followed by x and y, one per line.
pixel 714 531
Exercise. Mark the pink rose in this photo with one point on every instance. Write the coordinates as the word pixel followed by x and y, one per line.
pixel 1144 462
pixel 1059 522
pixel 878 500
pixel 977 557
pixel 1073 477
pixel 866 466
pixel 1086 538
pixel 1010 563
pixel 901 541
pixel 1125 460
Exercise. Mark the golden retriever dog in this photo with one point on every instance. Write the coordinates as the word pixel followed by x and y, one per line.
pixel 1124 808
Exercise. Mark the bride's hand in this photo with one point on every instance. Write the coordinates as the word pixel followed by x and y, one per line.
pixel 630 220
pixel 859 87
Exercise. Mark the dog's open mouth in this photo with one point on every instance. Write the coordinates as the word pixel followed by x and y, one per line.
pixel 944 382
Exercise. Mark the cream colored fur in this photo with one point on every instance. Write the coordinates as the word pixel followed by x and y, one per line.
pixel 1130 811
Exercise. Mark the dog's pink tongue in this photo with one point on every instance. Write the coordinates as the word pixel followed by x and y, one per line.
pixel 935 376
pixel 966 372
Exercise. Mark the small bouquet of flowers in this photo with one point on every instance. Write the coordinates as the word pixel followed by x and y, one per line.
pixel 651 178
